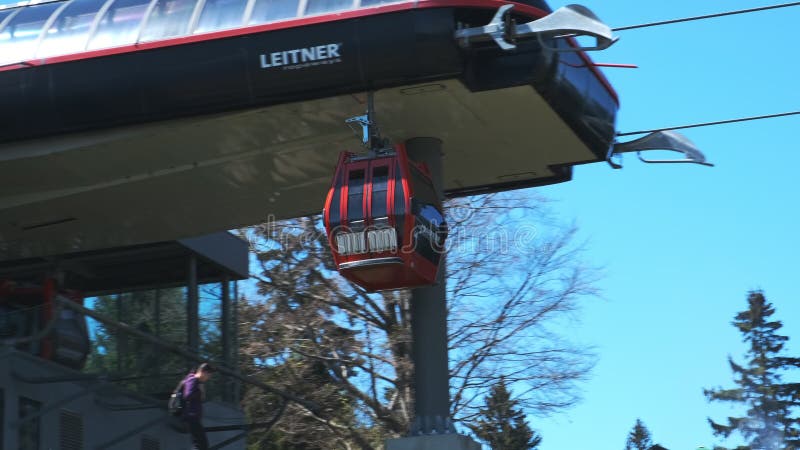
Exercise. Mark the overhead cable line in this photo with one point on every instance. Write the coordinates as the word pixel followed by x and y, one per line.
pixel 707 16
pixel 708 124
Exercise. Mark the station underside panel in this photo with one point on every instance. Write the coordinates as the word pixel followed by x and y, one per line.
pixel 174 179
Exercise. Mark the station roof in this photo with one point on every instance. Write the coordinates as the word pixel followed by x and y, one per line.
pixel 219 256
pixel 42 29
pixel 125 187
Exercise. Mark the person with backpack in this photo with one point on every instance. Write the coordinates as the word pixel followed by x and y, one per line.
pixel 187 402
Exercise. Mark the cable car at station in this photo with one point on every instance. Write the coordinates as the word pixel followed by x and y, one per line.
pixel 32 322
pixel 238 102
pixel 384 220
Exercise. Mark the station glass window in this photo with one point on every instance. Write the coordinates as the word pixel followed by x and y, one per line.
pixel 70 31
pixel 2 417
pixel 323 6
pixel 168 18
pixel 573 71
pixel 29 432
pixel 365 3
pixel 221 15
pixel 271 10
pixel 19 37
pixel 4 14
pixel 120 24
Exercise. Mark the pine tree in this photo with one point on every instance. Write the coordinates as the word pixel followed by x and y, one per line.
pixel 639 437
pixel 502 425
pixel 768 423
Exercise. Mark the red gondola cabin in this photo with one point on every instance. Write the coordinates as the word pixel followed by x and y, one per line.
pixel 384 221
pixel 27 311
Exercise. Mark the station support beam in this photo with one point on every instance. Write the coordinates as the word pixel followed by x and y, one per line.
pixel 122 339
pixel 157 320
pixel 192 307
pixel 225 332
pixel 432 427
pixel 237 385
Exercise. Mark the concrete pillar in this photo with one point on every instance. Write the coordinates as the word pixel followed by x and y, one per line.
pixel 432 428
pixel 433 442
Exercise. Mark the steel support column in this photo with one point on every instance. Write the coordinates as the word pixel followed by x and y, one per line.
pixel 122 339
pixel 192 307
pixel 432 427
pixel 225 331
pixel 157 320
pixel 237 385
pixel 157 312
pixel 429 321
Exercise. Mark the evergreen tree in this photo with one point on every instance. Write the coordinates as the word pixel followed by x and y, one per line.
pixel 768 423
pixel 502 425
pixel 639 437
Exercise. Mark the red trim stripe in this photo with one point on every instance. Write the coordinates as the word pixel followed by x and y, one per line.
pixel 527 10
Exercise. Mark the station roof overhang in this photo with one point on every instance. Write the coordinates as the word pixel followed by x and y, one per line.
pixel 219 257
pixel 174 179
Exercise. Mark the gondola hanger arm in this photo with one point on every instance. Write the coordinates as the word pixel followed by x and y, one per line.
pixel 567 21
pixel 659 140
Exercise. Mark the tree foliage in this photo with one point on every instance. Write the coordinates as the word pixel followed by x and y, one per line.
pixel 511 289
pixel 501 424
pixel 769 422
pixel 639 438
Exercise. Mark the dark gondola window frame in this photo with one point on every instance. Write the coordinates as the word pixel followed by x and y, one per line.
pixel 335 211
pixel 355 209
pixel 400 208
pixel 379 208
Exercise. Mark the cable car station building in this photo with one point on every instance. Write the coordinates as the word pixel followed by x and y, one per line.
pixel 129 127
pixel 49 400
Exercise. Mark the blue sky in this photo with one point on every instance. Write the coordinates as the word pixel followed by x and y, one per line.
pixel 682 244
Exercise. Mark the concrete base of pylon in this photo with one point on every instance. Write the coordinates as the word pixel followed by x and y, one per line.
pixel 433 442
